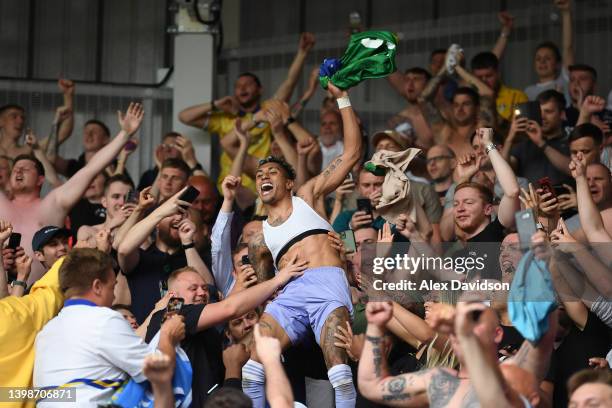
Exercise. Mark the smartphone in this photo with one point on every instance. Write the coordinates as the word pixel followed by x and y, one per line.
pixel 348 238
pixel 530 110
pixel 132 197
pixel 546 186
pixel 175 305
pixel 349 177
pixel 526 226
pixel 190 194
pixel 559 189
pixel 14 240
pixel 364 204
pixel 246 260
pixel 476 315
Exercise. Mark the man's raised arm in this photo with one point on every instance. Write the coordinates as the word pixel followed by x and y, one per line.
pixel 63 198
pixel 283 93
pixel 336 172
pixel 406 390
pixel 507 179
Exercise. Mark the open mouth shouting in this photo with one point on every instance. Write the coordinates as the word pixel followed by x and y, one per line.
pixel 266 188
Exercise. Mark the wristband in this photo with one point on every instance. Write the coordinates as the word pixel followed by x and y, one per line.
pixel 19 283
pixel 543 145
pixel 289 121
pixel 188 246
pixel 343 102
pixel 490 146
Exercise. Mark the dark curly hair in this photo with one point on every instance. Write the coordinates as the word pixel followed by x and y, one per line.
pixel 281 162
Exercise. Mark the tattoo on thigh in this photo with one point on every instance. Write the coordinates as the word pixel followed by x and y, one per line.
pixel 333 355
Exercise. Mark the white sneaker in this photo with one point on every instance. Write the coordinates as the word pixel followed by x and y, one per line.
pixel 451 58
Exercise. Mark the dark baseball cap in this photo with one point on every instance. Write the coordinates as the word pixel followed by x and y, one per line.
pixel 46 234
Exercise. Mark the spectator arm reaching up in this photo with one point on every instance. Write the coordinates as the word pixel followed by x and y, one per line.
pixel 278 389
pixel 507 22
pixel 283 93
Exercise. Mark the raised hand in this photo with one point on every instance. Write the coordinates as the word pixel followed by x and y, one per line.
pixel 185 146
pixel 485 134
pixel 466 317
pixel 132 119
pixel 577 166
pixel 405 226
pixel 305 147
pixel 103 241
pixel 360 219
pixel 186 231
pixel 244 137
pixel 146 199
pixel 23 266
pixel 568 200
pixel 158 368
pixel 335 91
pixel 276 121
pixel 563 5
pixel 506 20
pixel 593 104
pixel 279 107
pixel 561 235
pixel 246 276
pixel 66 86
pixel 539 245
pixel 229 186
pixel 6 229
pixel 336 242
pixel 467 166
pixel 379 313
pixel 346 188
pixel 228 104
pixel 61 114
pixel 307 41
pixel 173 205
pixel 384 235
pixel 31 140
pixel 534 131
pixel 519 124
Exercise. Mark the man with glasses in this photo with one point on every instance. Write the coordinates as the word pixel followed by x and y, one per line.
pixel 440 165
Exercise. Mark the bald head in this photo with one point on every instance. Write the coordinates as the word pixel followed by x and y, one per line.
pixel 206 201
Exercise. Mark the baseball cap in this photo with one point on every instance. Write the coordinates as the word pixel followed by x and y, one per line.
pixel 46 234
pixel 391 134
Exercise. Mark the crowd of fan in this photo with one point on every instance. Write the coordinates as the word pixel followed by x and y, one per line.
pixel 85 294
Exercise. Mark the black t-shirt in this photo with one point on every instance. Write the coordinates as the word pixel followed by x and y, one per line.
pixel 533 164
pixel 574 352
pixel 485 245
pixel 85 213
pixel 75 165
pixel 150 276
pixel 147 178
pixel 203 348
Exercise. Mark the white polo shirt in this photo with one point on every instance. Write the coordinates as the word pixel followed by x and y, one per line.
pixel 91 348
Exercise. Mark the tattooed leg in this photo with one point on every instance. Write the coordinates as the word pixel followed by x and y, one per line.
pixel 339 372
pixel 253 378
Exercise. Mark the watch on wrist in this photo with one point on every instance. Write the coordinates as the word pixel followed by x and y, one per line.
pixel 489 147
pixel 188 246
pixel 19 283
pixel 289 121
pixel 543 145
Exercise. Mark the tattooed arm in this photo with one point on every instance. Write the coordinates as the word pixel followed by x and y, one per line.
pixel 407 390
pixel 336 172
pixel 535 358
pixel 261 258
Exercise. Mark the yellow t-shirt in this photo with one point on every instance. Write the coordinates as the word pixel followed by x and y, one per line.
pixel 21 318
pixel 507 98
pixel 222 123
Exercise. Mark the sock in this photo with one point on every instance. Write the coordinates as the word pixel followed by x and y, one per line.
pixel 341 379
pixel 253 383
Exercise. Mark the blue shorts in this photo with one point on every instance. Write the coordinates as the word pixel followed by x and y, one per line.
pixel 305 302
